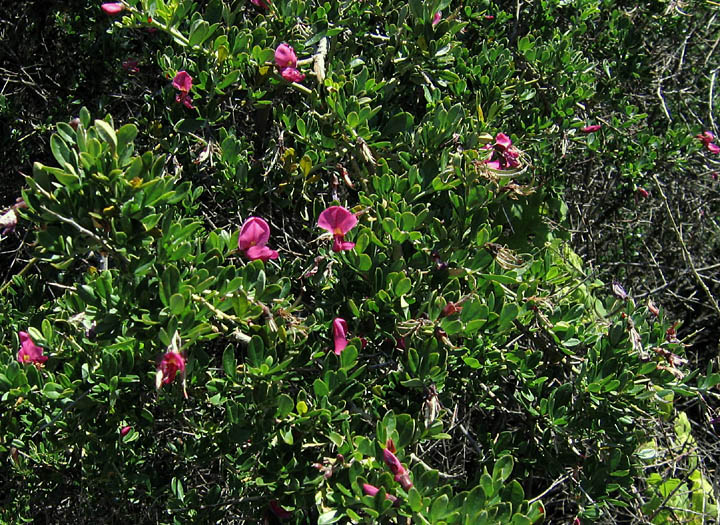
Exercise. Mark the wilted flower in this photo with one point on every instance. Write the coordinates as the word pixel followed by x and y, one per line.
pixel 8 221
pixel 450 309
pixel 183 83
pixel 131 65
pixel 371 490
pixel 653 309
pixel 338 221
pixel 279 512
pixel 29 352
pixel 707 138
pixel 436 19
pixel 619 290
pixel 401 474
pixel 591 129
pixel 340 332
pixel 113 8
pixel 124 431
pixel 254 235
pixel 505 155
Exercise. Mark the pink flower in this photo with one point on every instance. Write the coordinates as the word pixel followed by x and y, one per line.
pixel 707 138
pixel 183 83
pixel 113 8
pixel 285 57
pixel 131 65
pixel 401 474
pixel 260 3
pixel 292 75
pixel 279 511
pixel 286 62
pixel 505 155
pixel 371 490
pixel 124 431
pixel 29 352
pixel 489 17
pixel 338 221
pixel 591 129
pixel 254 235
pixel 436 19
pixel 170 364
pixel 340 332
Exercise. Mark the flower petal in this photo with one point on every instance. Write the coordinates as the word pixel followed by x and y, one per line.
pixel 260 252
pixel 182 81
pixel 292 75
pixel 254 232
pixel 285 56
pixel 337 220
pixel 340 331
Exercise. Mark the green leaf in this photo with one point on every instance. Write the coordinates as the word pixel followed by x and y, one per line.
pixel 285 406
pixel 503 468
pixel 60 150
pixel 177 304
pixel 107 133
pixel 415 500
pixel 320 387
pixel 52 391
pixel 364 262
pixel 403 286
pixel 229 363
pixel 328 517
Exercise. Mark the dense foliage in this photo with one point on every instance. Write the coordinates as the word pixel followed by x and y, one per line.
pixel 314 267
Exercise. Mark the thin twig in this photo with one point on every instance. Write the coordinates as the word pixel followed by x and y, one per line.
pixel 685 251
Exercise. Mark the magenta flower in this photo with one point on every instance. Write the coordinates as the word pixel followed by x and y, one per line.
pixel 591 129
pixel 340 332
pixel 131 65
pixel 286 62
pixel 505 155
pixel 183 83
pixel 292 74
pixel 29 352
pixel 261 4
pixel 124 431
pixel 113 8
pixel 338 221
pixel 285 56
pixel 170 364
pixel 254 235
pixel 707 138
pixel 371 490
pixel 436 19
pixel 401 474
pixel 642 193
